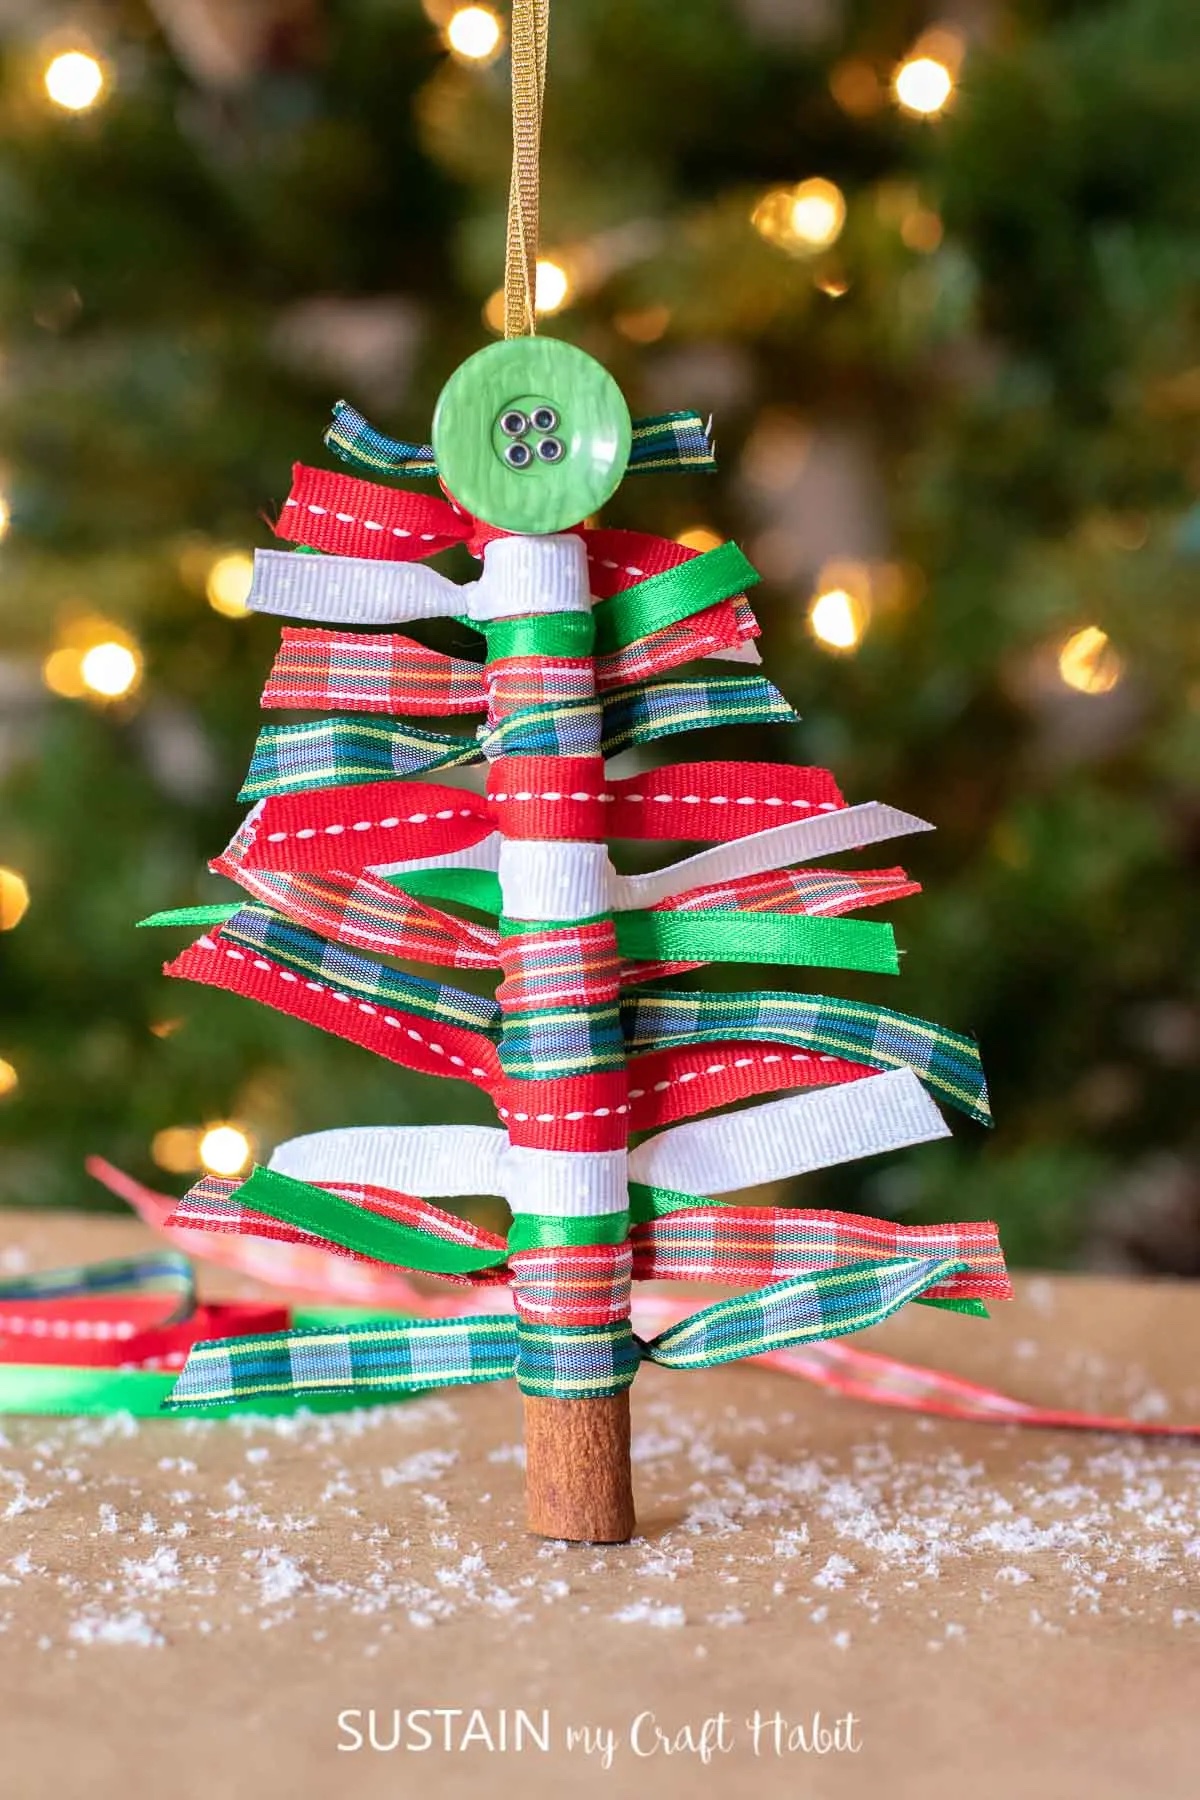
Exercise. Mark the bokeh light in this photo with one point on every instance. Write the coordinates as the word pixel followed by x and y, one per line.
pixel 8 1077
pixel 110 670
pixel 1088 663
pixel 838 619
pixel 225 1149
pixel 552 289
pixel 699 537
pixel 227 586
pixel 922 85
pixel 14 899
pixel 74 80
pixel 93 660
pixel 177 1149
pixel 802 219
pixel 474 34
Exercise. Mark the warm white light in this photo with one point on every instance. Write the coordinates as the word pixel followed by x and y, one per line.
pixel 14 899
pixel 474 33
pixel 552 287
pixel 110 670
pixel 818 212
pixel 225 1150
pixel 837 619
pixel 8 1077
pixel 5 516
pixel 74 80
pixel 1088 663
pixel 228 584
pixel 804 218
pixel 699 537
pixel 923 85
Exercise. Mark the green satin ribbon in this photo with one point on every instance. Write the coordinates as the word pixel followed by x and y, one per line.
pixel 352 1227
pixel 792 939
pixel 193 915
pixel 541 1231
pixel 628 617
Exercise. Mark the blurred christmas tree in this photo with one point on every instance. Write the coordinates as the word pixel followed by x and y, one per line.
pixel 936 277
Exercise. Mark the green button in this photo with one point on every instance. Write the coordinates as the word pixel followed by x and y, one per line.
pixel 531 435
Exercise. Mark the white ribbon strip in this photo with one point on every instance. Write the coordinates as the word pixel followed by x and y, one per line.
pixel 790 1137
pixel 776 848
pixel 800 841
pixel 483 855
pixel 450 1161
pixel 520 575
pixel 428 1161
pixel 543 879
pixel 564 1184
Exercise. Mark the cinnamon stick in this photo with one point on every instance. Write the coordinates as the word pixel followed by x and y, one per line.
pixel 578 1479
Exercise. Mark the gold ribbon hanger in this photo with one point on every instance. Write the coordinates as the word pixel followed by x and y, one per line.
pixel 530 28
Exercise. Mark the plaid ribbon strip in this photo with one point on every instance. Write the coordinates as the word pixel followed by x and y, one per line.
pixel 946 1062
pixel 385 672
pixel 130 1313
pixel 377 672
pixel 336 752
pixel 558 1002
pixel 804 1309
pixel 357 442
pixel 382 1357
pixel 366 911
pixel 670 441
pixel 256 927
pixel 757 1244
pixel 677 1237
pixel 165 1272
pixel 635 715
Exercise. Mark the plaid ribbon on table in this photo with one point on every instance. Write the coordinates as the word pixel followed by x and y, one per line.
pixel 334 752
pixel 669 441
pixel 946 1062
pixel 382 1357
pixel 164 1272
pixel 256 927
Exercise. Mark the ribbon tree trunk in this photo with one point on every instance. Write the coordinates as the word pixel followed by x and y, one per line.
pixel 563 1056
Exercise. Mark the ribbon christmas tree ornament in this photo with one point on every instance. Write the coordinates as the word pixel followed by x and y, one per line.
pixel 359 846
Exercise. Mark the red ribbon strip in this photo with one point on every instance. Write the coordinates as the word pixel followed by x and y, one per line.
pixel 400 1037
pixel 105 1333
pixel 374 822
